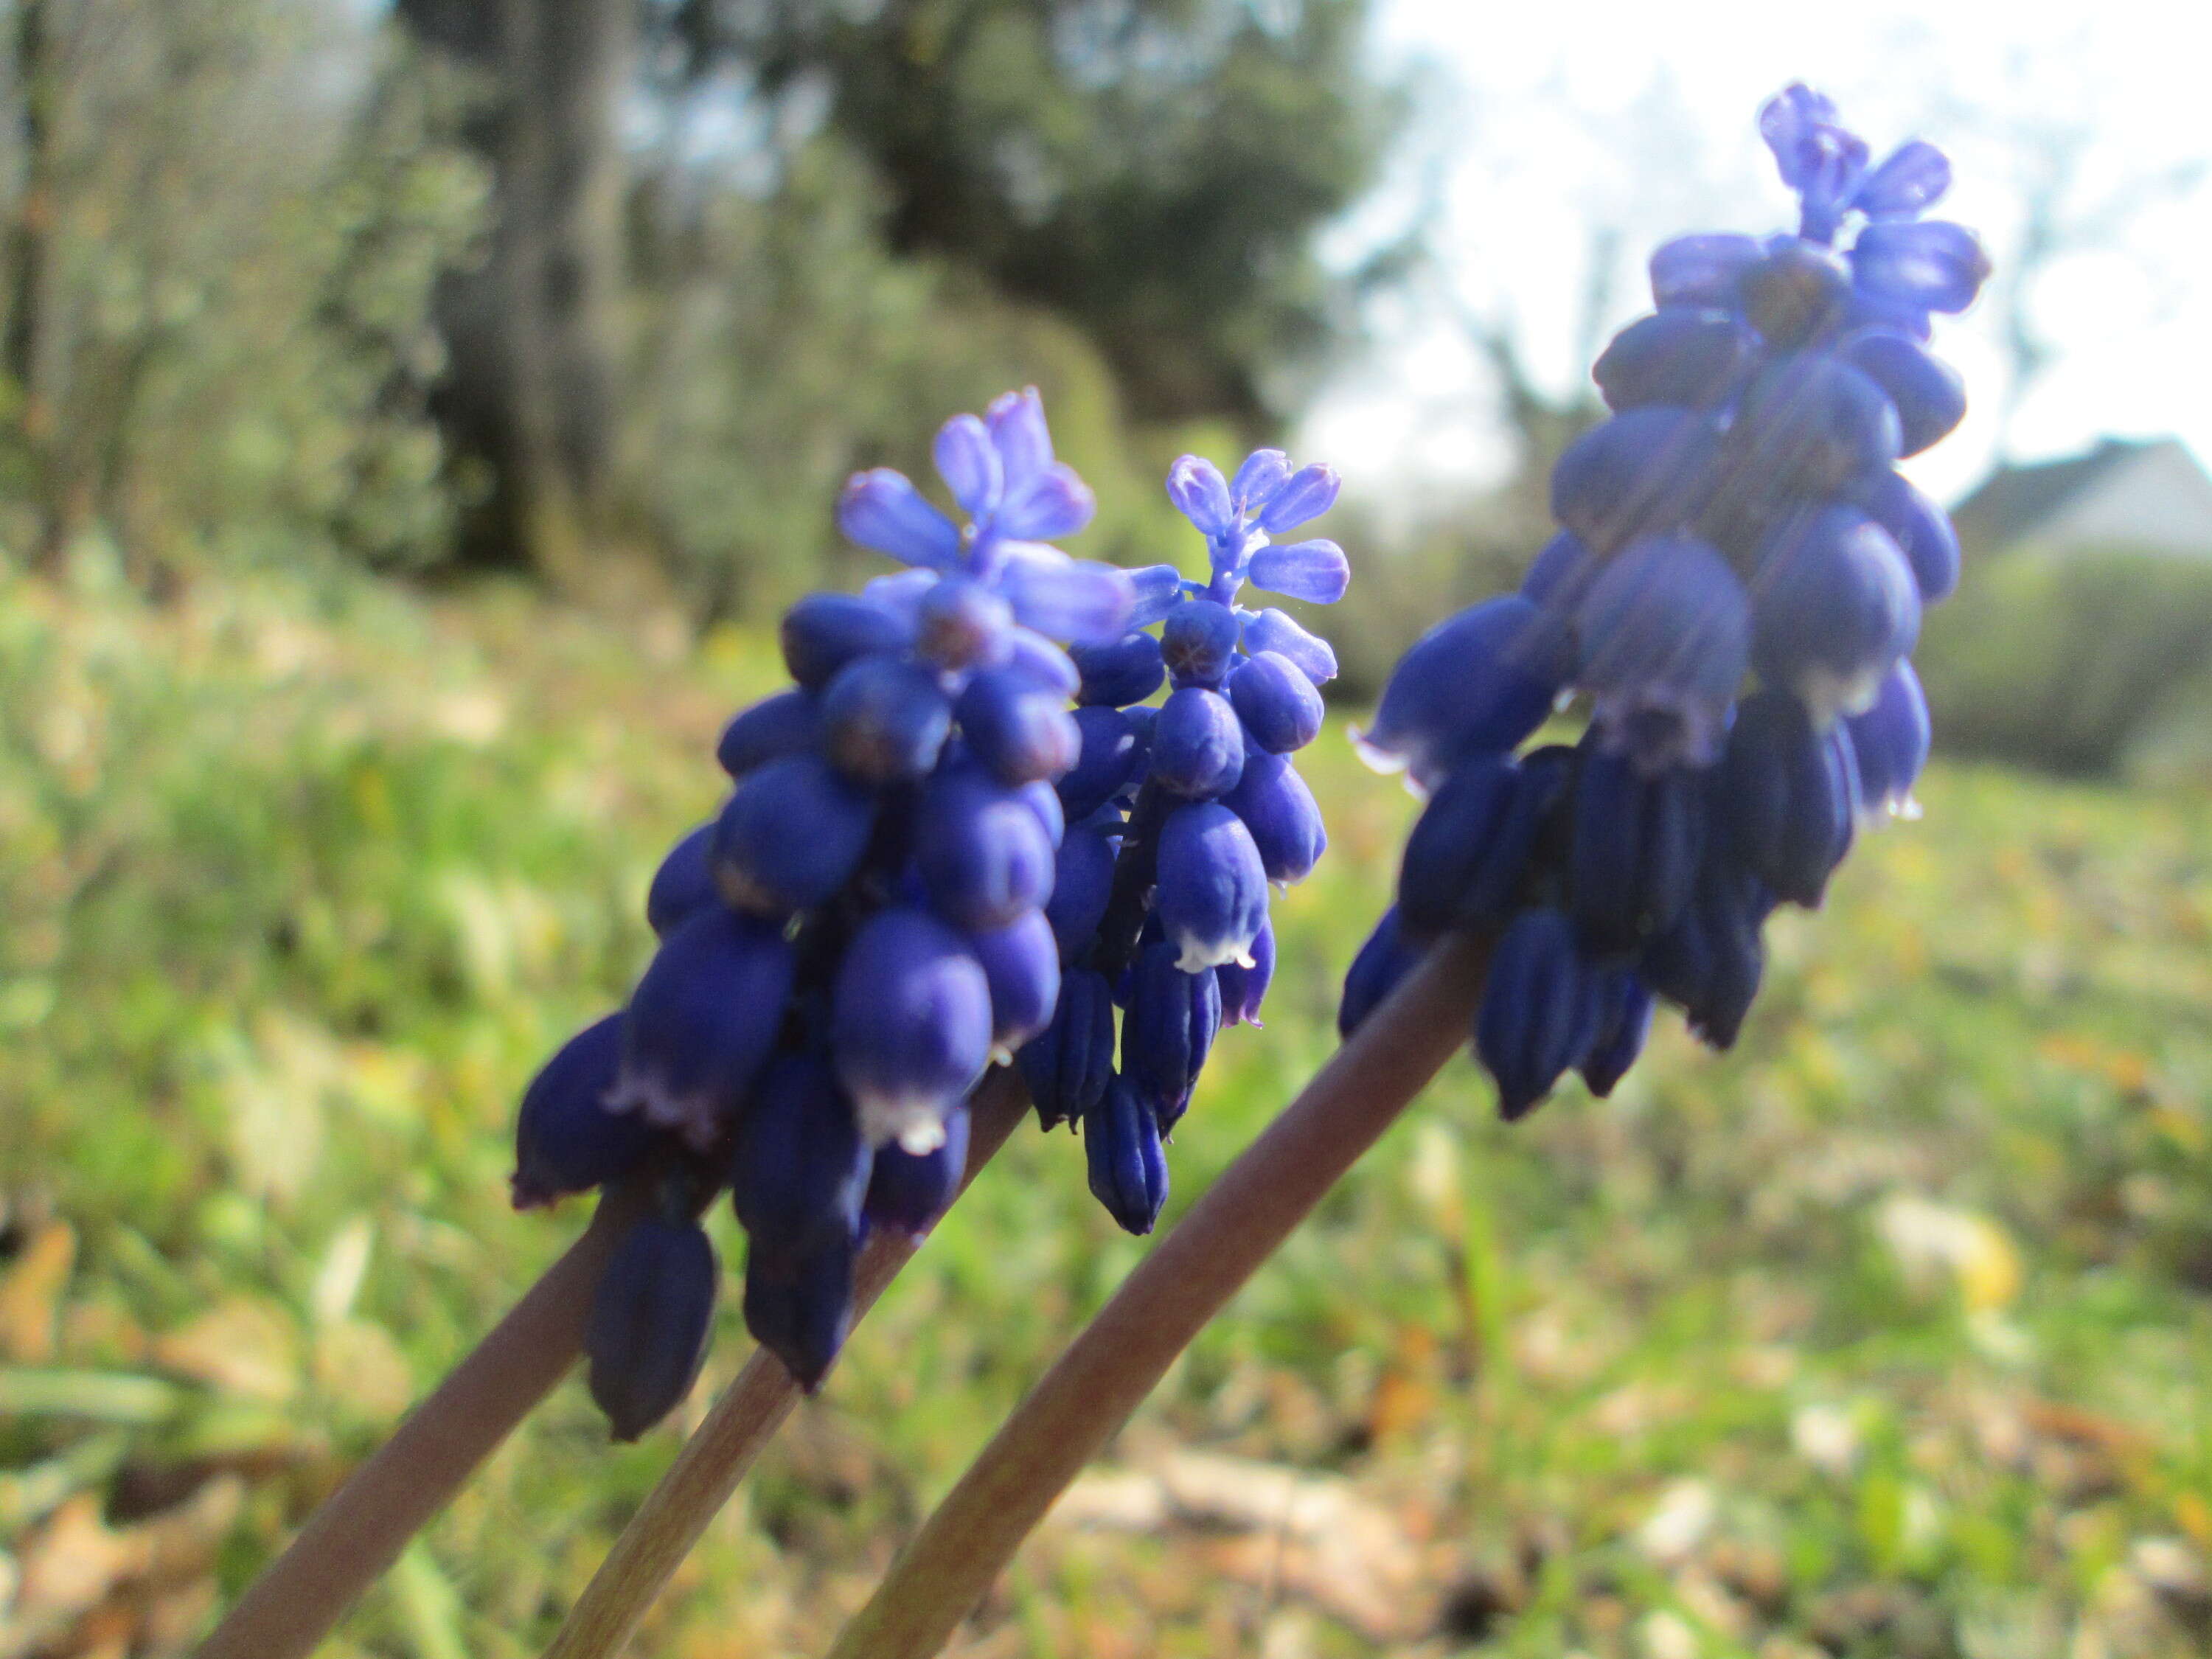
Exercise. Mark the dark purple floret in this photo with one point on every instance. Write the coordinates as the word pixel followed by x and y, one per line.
pixel 983 857
pixel 909 1192
pixel 1212 899
pixel 1110 756
pixel 1067 1068
pixel 648 1332
pixel 1128 1168
pixel 1174 1016
pixel 1386 958
pixel 1927 393
pixel 684 884
pixel 800 1167
pixel 1197 642
pixel 1637 845
pixel 1623 1024
pixel 701 1022
pixel 1682 354
pixel 1244 989
pixel 800 1308
pixel 566 1138
pixel 1541 1011
pixel 1785 797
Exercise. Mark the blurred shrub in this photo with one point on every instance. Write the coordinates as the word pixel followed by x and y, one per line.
pixel 231 216
pixel 2065 662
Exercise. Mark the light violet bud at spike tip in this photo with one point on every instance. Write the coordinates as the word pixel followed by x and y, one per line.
pixel 882 510
pixel 1079 600
pixel 1158 589
pixel 910 1026
pixel 1016 420
pixel 1213 895
pixel 1275 630
pixel 1911 179
pixel 1053 502
pixel 1305 494
pixel 1200 494
pixel 1316 572
pixel 702 1022
pixel 1263 473
pixel 969 463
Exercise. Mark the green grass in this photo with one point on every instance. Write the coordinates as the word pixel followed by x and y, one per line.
pixel 1897 1317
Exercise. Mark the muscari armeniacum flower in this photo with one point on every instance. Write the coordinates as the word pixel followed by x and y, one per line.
pixel 1181 815
pixel 1738 575
pixel 861 928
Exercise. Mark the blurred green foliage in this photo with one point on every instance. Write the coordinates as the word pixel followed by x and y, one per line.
pixel 2021 664
pixel 1885 1335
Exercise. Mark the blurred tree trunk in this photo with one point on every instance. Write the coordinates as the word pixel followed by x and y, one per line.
pixel 530 393
pixel 34 344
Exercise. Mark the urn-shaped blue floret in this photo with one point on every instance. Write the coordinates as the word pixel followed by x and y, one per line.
pixel 684 882
pixel 1021 962
pixel 909 1191
pixel 1244 989
pixel 1709 962
pixel 650 1318
pixel 1703 270
pixel 884 720
pixel 1386 958
pixel 1198 744
pixel 1811 423
pixel 701 1022
pixel 1109 755
pixel 1541 1011
pixel 1316 571
pixel 1469 849
pixel 1114 676
pixel 1280 708
pixel 1278 631
pixel 1174 1016
pixel 984 859
pixel 1559 574
pixel 566 1140
pixel 800 1167
pixel 1477 684
pixel 1927 393
pixel 1128 1168
pixel 799 1308
pixel 1638 841
pixel 1683 355
pixel 1019 731
pixel 1082 881
pixel 773 728
pixel 824 631
pixel 1920 530
pixel 791 836
pixel 1197 641
pixel 1213 895
pixel 960 623
pixel 1067 1067
pixel 1274 802
pixel 910 1026
pixel 1785 796
pixel 1641 473
pixel 1833 606
pixel 1890 742
pixel 1665 633
pixel 1623 1025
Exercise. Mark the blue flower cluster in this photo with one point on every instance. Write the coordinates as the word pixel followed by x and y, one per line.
pixel 850 943
pixel 1738 577
pixel 1179 816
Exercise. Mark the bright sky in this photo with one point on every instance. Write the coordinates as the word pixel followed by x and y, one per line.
pixel 1538 119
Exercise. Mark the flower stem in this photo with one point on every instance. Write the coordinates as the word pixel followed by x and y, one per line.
pixel 1117 1359
pixel 361 1529
pixel 715 1460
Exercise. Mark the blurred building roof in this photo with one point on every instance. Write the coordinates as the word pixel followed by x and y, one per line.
pixel 2150 495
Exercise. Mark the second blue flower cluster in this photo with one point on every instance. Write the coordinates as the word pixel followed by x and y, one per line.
pixel 1738 522
pixel 1179 816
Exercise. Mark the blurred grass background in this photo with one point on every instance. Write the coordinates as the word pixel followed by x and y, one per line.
pixel 1884 1335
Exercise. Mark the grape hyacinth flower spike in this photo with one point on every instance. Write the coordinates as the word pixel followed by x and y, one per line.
pixel 1180 815
pixel 861 930
pixel 1737 580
